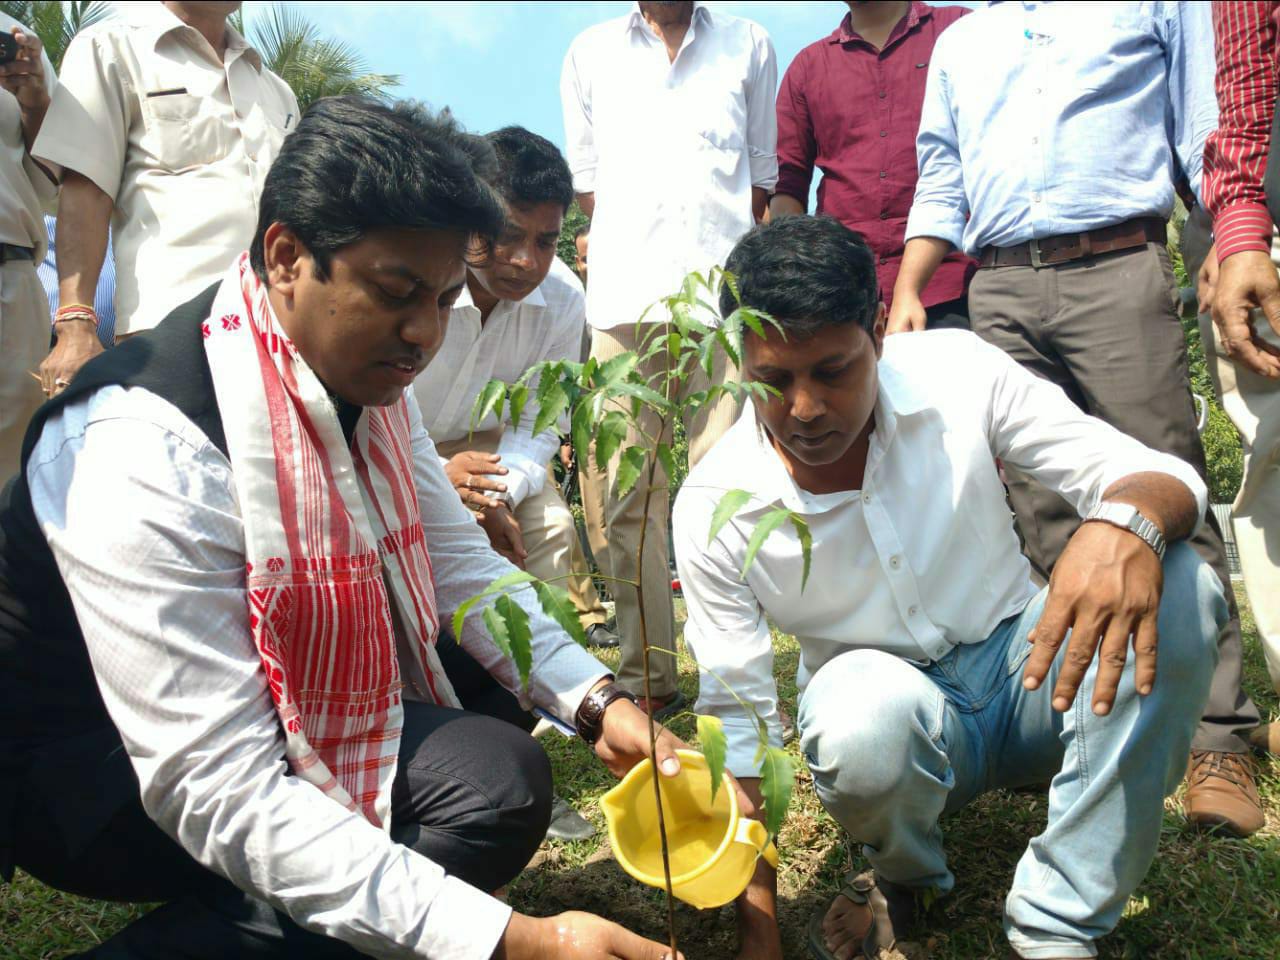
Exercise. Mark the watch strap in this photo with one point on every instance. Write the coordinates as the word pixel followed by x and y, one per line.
pixel 589 720
pixel 1128 517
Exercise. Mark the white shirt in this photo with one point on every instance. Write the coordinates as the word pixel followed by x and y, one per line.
pixel 546 325
pixel 922 558
pixel 151 546
pixel 670 150
pixel 24 187
pixel 180 142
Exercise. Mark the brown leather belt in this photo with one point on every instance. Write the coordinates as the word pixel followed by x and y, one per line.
pixel 1077 246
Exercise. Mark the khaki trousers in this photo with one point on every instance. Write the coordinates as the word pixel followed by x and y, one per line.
pixel 1108 332
pixel 24 343
pixel 549 534
pixel 1253 404
pixel 614 523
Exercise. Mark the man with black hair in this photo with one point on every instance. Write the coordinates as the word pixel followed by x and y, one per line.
pixel 520 306
pixel 223 571
pixel 932 669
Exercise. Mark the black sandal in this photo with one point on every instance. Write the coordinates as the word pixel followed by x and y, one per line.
pixel 893 909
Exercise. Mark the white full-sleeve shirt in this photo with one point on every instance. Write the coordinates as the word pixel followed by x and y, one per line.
pixel 670 150
pixel 546 325
pixel 923 557
pixel 141 513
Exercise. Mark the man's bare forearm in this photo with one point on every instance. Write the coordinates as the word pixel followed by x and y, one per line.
pixel 84 217
pixel 1163 499
pixel 758 905
pixel 759 204
pixel 782 205
pixel 587 203
pixel 920 261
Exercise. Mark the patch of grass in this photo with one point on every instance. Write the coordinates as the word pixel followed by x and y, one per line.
pixel 1205 898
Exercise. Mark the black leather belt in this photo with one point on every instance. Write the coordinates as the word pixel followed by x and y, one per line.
pixel 9 251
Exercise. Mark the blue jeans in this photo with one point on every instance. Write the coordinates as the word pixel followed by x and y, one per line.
pixel 893 746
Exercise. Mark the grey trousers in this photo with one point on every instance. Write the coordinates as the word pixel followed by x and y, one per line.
pixel 1107 331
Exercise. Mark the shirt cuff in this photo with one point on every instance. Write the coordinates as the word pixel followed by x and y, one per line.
pixel 794 183
pixel 571 661
pixel 1241 227
pixel 936 220
pixel 523 478
pixel 764 170
pixel 463 922
pixel 584 180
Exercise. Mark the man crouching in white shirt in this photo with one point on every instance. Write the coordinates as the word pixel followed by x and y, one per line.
pixel 222 574
pixel 520 306
pixel 931 668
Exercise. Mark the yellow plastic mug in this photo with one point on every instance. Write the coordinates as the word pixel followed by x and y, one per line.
pixel 713 849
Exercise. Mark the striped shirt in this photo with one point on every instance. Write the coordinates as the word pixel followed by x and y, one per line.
pixel 103 298
pixel 1235 156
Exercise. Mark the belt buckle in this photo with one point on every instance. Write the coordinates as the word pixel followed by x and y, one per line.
pixel 1033 245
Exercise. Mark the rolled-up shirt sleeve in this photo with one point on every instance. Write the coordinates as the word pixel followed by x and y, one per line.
pixel 86 128
pixel 762 118
pixel 726 632
pixel 1033 425
pixel 465 564
pixel 151 547
pixel 579 139
pixel 940 208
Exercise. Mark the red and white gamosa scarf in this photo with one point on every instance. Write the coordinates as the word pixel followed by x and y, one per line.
pixel 324 524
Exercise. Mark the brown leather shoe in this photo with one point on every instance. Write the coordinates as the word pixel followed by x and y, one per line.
pixel 1221 793
pixel 1266 738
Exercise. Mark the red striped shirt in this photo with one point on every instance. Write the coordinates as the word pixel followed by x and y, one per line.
pixel 1235 155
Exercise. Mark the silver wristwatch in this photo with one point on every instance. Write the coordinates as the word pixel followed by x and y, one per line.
pixel 1128 516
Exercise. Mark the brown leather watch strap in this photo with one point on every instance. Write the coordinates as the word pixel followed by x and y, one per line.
pixel 1052 251
pixel 589 719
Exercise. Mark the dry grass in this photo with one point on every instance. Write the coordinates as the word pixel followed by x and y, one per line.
pixel 1204 899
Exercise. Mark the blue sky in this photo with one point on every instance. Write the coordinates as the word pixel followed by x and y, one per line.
pixel 498 63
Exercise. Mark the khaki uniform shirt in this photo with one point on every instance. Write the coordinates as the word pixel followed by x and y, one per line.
pixel 24 187
pixel 178 140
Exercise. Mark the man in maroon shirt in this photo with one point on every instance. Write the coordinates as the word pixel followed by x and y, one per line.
pixel 850 106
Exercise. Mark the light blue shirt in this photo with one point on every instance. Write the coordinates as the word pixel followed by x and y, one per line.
pixel 1042 119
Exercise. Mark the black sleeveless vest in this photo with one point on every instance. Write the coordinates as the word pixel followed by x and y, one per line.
pixel 47 687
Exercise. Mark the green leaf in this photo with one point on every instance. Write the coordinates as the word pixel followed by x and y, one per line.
pixel 731 281
pixel 490 399
pixel 557 605
pixel 714 746
pixel 580 429
pixel 726 510
pixel 497 630
pixel 629 467
pixel 777 779
pixel 667 458
pixel 517 397
pixel 609 436
pixel 519 636
pixel 514 578
pixel 806 546
pixel 616 368
pixel 640 392
pixel 728 340
pixel 551 404
pixel 770 522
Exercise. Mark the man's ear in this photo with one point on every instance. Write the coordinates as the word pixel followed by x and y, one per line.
pixel 285 258
pixel 877 334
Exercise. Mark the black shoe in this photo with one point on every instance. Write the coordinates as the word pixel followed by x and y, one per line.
pixel 567 823
pixel 601 637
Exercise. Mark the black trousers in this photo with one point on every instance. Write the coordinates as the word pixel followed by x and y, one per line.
pixel 472 792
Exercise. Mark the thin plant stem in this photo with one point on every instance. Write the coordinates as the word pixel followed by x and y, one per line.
pixel 648 697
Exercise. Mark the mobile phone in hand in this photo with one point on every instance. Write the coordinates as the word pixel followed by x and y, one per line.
pixel 8 48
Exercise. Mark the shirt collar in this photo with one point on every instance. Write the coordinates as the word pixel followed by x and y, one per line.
pixel 536 299
pixel 156 21
pixel 896 397
pixel 915 13
pixel 636 18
